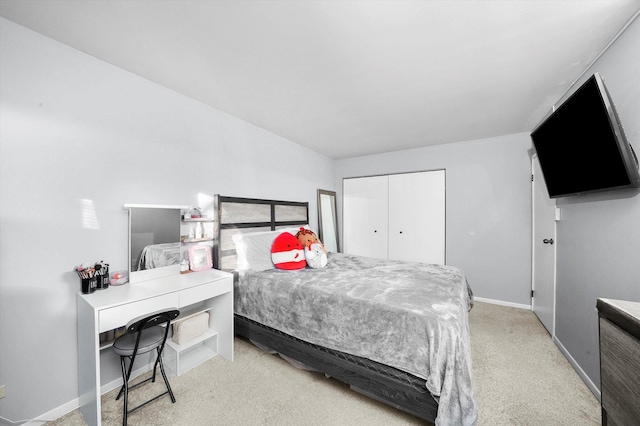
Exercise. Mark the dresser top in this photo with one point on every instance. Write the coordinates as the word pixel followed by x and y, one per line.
pixel 623 313
pixel 132 292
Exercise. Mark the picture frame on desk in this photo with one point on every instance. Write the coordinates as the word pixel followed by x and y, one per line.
pixel 200 257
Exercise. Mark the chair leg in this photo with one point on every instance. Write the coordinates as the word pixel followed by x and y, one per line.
pixel 124 389
pixel 126 374
pixel 126 405
pixel 155 365
pixel 164 376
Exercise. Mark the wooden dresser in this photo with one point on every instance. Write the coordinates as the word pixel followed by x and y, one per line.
pixel 619 361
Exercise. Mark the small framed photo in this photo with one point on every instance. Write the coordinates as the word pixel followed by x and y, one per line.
pixel 200 257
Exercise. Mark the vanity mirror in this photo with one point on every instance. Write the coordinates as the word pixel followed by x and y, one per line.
pixel 154 241
pixel 328 220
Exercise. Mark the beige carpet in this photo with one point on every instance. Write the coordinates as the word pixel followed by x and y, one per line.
pixel 520 378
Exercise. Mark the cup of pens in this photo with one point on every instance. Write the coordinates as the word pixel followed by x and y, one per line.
pixel 88 284
pixel 93 277
pixel 102 272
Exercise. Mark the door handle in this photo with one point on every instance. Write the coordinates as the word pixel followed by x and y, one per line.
pixel 546 241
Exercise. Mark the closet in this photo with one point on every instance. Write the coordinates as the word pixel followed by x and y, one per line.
pixel 398 216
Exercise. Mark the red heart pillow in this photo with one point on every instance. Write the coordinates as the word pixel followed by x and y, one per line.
pixel 287 252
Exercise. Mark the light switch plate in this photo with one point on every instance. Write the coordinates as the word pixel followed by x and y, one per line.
pixel 1 391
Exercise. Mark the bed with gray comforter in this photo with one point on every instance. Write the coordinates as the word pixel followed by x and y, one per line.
pixel 411 316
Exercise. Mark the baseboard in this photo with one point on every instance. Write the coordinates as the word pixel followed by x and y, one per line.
pixel 592 387
pixel 502 303
pixel 55 413
pixel 68 407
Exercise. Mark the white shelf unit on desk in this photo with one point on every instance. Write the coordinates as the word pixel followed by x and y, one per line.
pixel 113 307
pixel 196 240
pixel 180 358
pixel 197 219
pixel 204 221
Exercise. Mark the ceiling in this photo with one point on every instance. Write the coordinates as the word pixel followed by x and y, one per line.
pixel 348 78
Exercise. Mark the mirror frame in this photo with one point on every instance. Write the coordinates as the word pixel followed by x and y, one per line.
pixel 208 262
pixel 334 210
pixel 150 274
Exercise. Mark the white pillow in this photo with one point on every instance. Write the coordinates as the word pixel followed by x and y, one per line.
pixel 254 249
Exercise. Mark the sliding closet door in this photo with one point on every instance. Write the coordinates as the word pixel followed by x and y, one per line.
pixel 365 218
pixel 417 217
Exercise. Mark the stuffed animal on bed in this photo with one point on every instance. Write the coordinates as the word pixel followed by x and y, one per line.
pixel 314 251
pixel 308 237
pixel 287 252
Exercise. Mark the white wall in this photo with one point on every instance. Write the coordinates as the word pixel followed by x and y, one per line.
pixel 599 235
pixel 488 203
pixel 78 139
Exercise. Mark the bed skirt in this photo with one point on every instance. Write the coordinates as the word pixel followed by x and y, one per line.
pixel 386 384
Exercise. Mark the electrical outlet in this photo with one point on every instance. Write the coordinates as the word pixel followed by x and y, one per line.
pixel 1 391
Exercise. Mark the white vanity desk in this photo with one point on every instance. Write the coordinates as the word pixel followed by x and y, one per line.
pixel 113 307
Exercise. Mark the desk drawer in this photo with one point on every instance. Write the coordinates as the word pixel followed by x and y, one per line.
pixel 620 374
pixel 120 315
pixel 205 291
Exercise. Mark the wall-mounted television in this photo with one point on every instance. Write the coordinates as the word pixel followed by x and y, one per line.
pixel 582 147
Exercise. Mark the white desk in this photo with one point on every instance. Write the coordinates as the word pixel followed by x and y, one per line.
pixel 115 306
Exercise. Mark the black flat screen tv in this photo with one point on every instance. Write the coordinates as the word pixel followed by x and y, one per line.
pixel 581 146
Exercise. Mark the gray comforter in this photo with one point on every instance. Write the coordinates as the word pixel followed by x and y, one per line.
pixel 411 316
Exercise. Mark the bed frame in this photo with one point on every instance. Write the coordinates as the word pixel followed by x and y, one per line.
pixel 380 382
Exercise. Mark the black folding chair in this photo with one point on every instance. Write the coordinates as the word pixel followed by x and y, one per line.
pixel 143 335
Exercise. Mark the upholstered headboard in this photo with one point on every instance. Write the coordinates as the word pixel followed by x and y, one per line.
pixel 243 215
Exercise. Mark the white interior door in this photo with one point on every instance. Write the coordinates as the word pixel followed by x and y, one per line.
pixel 417 217
pixel 366 216
pixel 544 250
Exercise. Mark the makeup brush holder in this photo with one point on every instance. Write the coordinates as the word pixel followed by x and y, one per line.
pixel 103 281
pixel 88 285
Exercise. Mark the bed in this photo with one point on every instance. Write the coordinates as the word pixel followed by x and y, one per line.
pixel 394 331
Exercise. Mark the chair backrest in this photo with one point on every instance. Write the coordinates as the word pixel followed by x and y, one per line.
pixel 151 320
pixel 137 325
